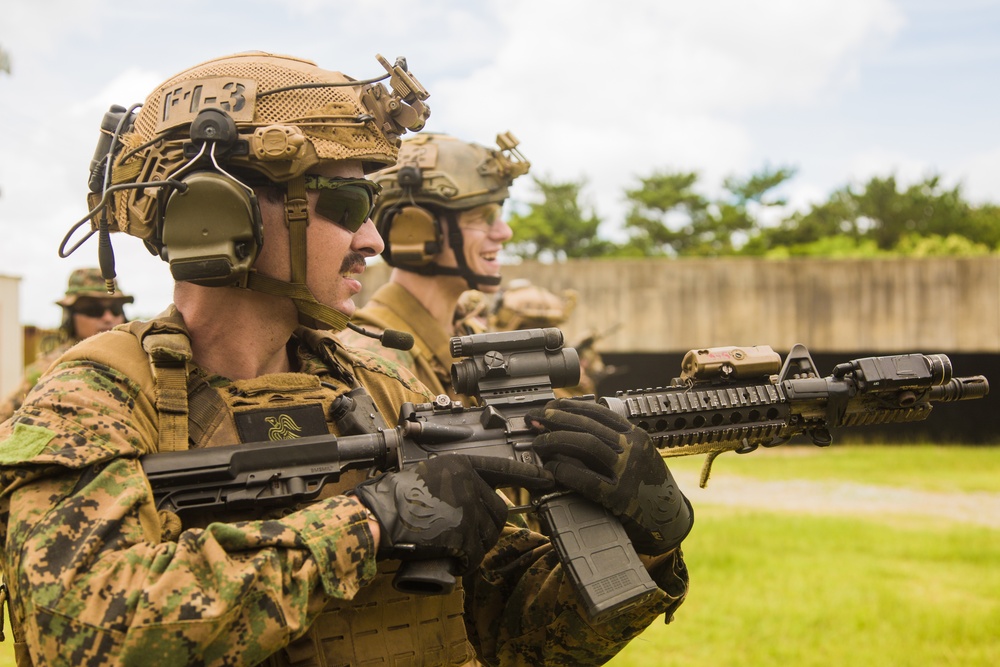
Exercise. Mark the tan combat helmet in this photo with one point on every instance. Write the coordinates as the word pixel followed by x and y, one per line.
pixel 182 167
pixel 523 305
pixel 436 177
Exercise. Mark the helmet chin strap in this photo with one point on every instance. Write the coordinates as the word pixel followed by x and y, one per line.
pixel 312 313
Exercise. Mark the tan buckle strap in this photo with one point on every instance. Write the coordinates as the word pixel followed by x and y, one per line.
pixel 171 404
pixel 3 603
pixel 169 354
pixel 297 219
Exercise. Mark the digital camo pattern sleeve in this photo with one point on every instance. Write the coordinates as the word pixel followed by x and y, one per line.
pixel 92 583
pixel 523 610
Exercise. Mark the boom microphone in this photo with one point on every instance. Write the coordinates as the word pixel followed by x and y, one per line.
pixel 397 340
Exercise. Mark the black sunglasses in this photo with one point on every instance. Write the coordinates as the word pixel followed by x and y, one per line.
pixel 98 309
pixel 348 202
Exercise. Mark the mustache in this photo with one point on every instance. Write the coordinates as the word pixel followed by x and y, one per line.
pixel 352 261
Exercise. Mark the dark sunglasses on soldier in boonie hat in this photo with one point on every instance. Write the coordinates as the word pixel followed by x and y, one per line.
pixel 348 202
pixel 98 309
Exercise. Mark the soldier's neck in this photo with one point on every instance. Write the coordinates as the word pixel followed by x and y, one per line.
pixel 438 294
pixel 237 333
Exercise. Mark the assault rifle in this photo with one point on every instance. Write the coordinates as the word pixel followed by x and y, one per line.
pixel 725 399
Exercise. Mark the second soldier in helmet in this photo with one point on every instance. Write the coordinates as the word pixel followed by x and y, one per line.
pixel 439 214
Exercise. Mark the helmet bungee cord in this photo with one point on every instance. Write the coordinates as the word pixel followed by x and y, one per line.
pixel 179 170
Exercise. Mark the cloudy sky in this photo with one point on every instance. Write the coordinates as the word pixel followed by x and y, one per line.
pixel 604 91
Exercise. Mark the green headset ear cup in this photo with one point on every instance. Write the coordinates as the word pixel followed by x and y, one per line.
pixel 414 237
pixel 211 232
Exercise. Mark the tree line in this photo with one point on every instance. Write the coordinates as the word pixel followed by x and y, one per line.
pixel 667 216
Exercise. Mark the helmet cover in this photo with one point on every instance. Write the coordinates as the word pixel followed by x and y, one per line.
pixel 288 119
pixel 453 174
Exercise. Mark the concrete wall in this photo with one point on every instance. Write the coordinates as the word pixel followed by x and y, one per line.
pixel 11 337
pixel 839 309
pixel 887 305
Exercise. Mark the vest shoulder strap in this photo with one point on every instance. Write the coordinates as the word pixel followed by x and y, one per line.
pixel 168 353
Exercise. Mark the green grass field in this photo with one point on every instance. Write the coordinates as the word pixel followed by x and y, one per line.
pixel 923 467
pixel 772 588
pixel 800 589
pixel 821 591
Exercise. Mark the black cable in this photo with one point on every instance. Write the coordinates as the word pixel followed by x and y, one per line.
pixel 63 253
pixel 321 84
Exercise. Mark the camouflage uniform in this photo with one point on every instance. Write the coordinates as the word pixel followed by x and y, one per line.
pixel 97 577
pixel 83 283
pixel 32 372
pixel 393 307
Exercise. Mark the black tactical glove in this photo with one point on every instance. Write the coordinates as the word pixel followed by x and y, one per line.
pixel 444 507
pixel 595 452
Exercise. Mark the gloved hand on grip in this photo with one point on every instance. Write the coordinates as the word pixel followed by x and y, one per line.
pixel 592 450
pixel 444 508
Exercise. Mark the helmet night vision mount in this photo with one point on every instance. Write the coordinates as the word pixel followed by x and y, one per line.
pixel 178 171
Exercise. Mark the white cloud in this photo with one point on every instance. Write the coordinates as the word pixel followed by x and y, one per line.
pixel 131 86
pixel 42 26
pixel 616 90
pixel 980 176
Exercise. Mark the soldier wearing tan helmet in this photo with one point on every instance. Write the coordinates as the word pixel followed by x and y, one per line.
pixel 247 175
pixel 88 309
pixel 440 214
pixel 523 305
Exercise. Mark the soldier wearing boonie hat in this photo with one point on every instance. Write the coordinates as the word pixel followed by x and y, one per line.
pixel 87 296
pixel 88 309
